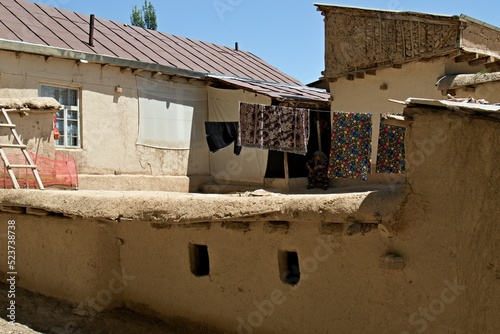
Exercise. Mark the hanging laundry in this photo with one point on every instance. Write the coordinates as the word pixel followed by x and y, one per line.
pixel 222 134
pixel 351 146
pixel 276 128
pixel 391 149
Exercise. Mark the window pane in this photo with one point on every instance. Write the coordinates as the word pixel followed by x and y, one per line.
pixel 73 141
pixel 72 128
pixel 60 126
pixel 60 141
pixel 72 97
pixel 48 91
pixel 64 96
pixel 60 114
pixel 73 115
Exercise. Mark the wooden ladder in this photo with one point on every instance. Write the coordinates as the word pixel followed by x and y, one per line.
pixel 17 144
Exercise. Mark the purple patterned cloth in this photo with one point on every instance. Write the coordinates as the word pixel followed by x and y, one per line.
pixel 276 128
pixel 391 149
pixel 351 146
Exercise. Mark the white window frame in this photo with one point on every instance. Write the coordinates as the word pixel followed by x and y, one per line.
pixel 67 108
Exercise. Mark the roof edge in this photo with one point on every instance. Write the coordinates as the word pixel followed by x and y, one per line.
pixel 277 84
pixel 50 51
pixel 465 18
pixel 462 80
pixel 322 6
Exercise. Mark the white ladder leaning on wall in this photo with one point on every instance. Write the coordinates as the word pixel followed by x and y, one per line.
pixel 17 144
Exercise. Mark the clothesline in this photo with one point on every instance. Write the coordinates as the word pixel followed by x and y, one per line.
pixel 286 129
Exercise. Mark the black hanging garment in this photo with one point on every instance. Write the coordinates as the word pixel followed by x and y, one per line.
pixel 222 134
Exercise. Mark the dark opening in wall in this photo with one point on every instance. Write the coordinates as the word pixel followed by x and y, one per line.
pixel 289 267
pixel 198 258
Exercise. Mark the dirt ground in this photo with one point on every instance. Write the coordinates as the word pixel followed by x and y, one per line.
pixel 38 314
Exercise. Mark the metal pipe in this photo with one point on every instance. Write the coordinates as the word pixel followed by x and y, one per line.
pixel 91 30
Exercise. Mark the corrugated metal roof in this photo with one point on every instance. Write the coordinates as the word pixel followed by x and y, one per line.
pixel 276 90
pixel 468 108
pixel 32 23
pixel 455 105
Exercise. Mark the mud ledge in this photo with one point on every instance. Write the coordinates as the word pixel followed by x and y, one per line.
pixel 376 206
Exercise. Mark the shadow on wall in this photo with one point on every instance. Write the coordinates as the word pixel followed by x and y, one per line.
pixel 35 128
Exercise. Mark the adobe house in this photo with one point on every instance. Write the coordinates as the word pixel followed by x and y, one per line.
pixel 422 257
pixel 134 101
pixel 374 55
pixel 404 259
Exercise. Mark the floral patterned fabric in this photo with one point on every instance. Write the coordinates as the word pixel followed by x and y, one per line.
pixel 274 128
pixel 351 146
pixel 391 149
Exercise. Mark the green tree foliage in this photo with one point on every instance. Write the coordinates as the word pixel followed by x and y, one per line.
pixel 145 17
pixel 136 18
pixel 149 15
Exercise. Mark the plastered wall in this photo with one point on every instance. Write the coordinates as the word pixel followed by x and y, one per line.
pixel 372 93
pixel 452 208
pixel 109 120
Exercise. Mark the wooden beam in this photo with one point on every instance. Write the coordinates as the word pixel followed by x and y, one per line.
pixel 136 71
pixel 287 173
pixel 155 74
pixel 371 72
pixel 465 57
pixel 470 89
pixel 494 69
pixel 398 66
pixel 492 65
pixel 350 77
pixel 124 69
pixel 479 61
pixel 48 58
pixel 360 75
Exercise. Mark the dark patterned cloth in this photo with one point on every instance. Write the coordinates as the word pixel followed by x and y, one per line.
pixel 274 128
pixel 351 146
pixel 317 168
pixel 391 149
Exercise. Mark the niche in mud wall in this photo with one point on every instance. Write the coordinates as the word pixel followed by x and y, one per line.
pixel 288 262
pixel 199 260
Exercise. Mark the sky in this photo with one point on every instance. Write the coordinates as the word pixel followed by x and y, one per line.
pixel 288 34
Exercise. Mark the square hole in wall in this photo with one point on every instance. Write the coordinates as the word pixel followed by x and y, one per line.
pixel 199 260
pixel 289 268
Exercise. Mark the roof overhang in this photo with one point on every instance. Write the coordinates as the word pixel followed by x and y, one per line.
pixel 50 51
pixel 465 107
pixel 281 92
pixel 326 7
pixel 466 80
pixel 391 39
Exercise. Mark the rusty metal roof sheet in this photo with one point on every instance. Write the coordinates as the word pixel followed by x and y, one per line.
pixel 46 26
pixel 467 106
pixel 278 91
